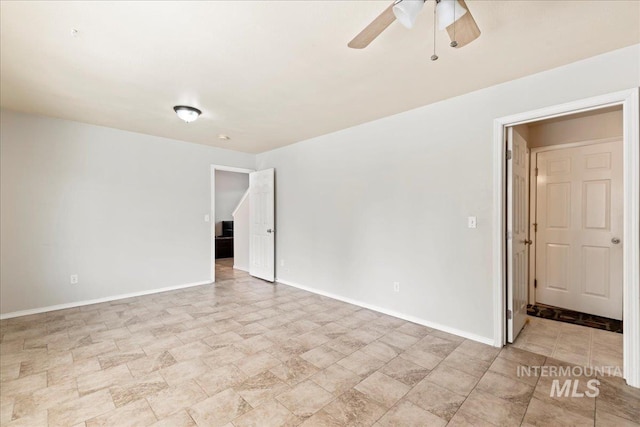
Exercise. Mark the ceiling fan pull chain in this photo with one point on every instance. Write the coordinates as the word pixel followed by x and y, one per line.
pixel 454 43
pixel 434 57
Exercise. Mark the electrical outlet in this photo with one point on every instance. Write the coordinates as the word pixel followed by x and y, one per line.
pixel 396 286
pixel 73 279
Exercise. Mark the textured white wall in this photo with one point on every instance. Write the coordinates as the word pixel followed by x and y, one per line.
pixel 230 187
pixel 124 211
pixel 388 200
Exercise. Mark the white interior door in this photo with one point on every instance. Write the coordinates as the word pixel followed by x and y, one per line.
pixel 262 225
pixel 517 233
pixel 579 215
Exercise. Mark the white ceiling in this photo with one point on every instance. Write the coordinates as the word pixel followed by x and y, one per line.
pixel 271 73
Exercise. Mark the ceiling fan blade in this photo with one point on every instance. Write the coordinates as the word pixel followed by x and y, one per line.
pixel 374 29
pixel 466 29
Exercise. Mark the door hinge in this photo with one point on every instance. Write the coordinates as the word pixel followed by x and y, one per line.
pixel 536 171
pixel 535 283
pixel 509 315
pixel 508 154
pixel 535 227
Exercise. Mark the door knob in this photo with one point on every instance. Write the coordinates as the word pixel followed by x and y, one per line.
pixel 615 240
pixel 527 241
pixel 269 230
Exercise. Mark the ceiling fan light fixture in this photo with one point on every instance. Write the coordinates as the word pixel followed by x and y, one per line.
pixel 186 113
pixel 448 12
pixel 406 11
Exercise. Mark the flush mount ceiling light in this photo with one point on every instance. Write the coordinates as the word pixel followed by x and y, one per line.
pixel 186 113
pixel 224 137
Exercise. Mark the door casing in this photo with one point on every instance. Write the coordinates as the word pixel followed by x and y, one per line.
pixel 629 100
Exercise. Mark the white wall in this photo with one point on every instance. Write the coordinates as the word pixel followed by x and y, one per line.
pixel 230 187
pixel 124 211
pixel 388 200
pixel 241 235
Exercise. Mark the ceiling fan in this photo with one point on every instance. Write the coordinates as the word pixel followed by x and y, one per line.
pixel 454 15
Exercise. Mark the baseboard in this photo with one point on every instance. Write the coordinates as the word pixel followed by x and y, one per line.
pixel 235 267
pixel 419 321
pixel 98 300
pixel 402 316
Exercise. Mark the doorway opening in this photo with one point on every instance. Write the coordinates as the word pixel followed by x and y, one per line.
pixel 230 222
pixel 244 244
pixel 568 238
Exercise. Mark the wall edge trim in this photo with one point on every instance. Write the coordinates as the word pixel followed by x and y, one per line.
pixel 464 334
pixel 74 304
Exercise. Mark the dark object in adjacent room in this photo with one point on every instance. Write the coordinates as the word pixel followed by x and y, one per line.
pixel 227 228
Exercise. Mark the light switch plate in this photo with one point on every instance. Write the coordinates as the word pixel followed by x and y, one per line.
pixel 472 222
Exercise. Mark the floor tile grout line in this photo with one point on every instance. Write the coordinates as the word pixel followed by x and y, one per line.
pixel 470 392
pixel 434 368
pixel 152 410
pixel 533 393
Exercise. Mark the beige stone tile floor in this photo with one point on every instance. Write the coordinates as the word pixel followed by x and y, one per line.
pixel 571 343
pixel 244 352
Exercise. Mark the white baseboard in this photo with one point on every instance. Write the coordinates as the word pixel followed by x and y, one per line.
pixel 98 300
pixel 419 321
pixel 409 318
pixel 235 267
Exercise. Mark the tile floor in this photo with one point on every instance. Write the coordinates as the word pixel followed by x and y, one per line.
pixel 248 353
pixel 571 343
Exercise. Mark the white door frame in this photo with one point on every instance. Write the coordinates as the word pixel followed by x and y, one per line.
pixel 212 215
pixel 628 99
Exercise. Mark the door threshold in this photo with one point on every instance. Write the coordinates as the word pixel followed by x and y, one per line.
pixel 575 317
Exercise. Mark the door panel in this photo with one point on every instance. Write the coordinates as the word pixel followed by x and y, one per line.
pixel 598 161
pixel 262 225
pixel 595 271
pixel 579 212
pixel 596 205
pixel 518 230
pixel 558 204
pixel 557 266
